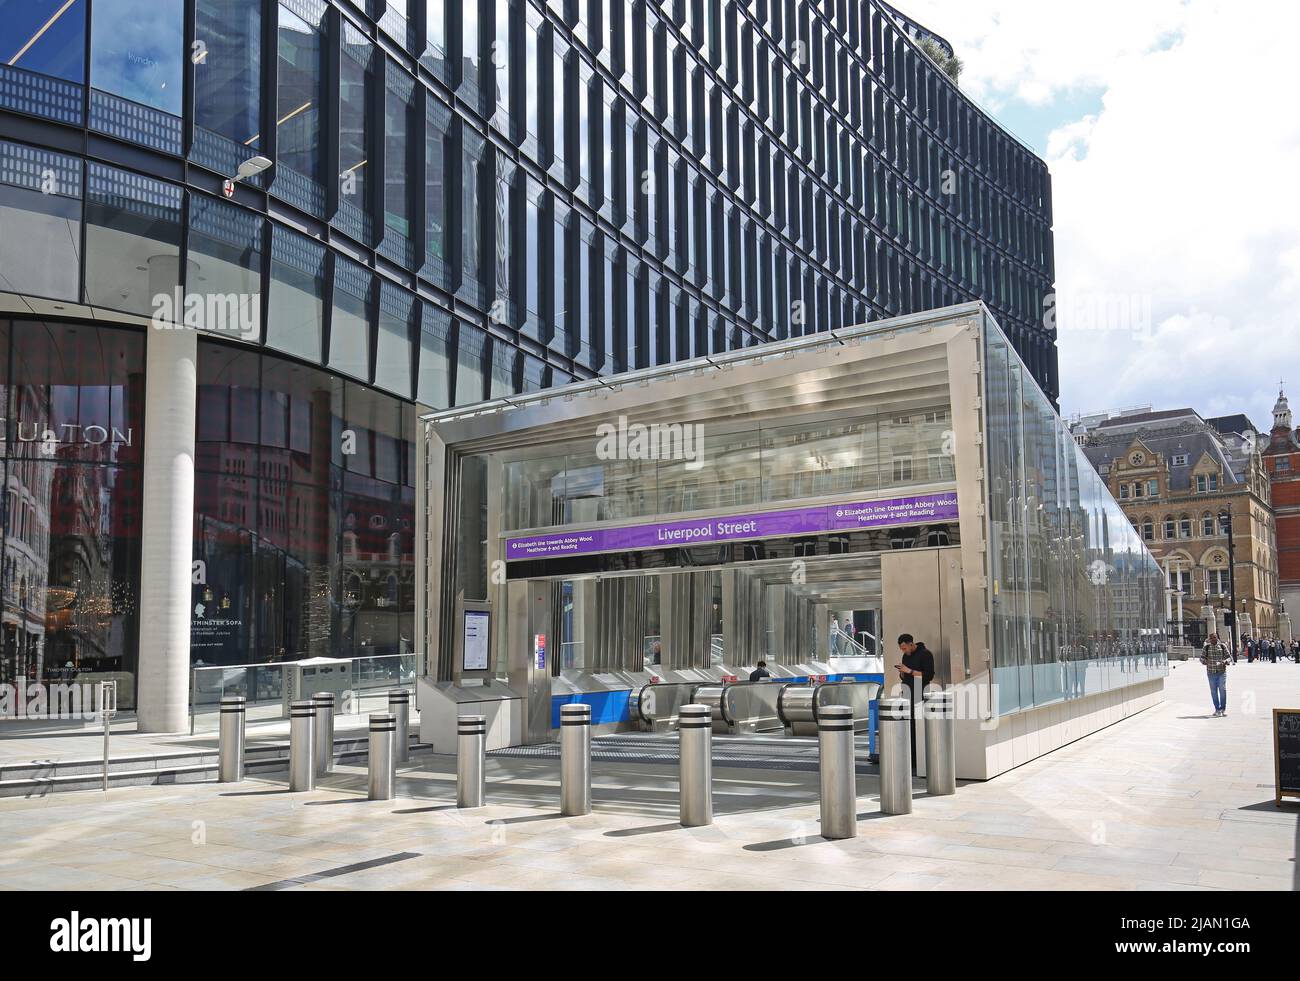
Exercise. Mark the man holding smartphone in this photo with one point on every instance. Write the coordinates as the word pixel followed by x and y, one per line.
pixel 916 671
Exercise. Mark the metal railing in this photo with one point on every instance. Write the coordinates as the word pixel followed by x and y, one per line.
pixel 365 683
pixel 848 647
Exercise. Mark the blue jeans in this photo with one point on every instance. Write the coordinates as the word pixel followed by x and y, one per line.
pixel 1219 690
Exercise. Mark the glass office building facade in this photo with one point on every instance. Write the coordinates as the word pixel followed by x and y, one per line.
pixel 466 201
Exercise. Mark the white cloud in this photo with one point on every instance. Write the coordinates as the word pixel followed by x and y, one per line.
pixel 1035 50
pixel 1182 194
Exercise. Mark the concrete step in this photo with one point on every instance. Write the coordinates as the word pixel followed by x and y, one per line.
pixel 38 779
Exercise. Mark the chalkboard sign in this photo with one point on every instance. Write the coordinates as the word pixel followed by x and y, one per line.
pixel 1286 752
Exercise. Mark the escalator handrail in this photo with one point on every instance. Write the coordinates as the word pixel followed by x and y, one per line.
pixel 781 683
pixel 640 690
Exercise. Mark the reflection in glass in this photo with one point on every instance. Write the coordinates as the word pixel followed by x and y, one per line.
pixel 133 232
pixel 47 37
pixel 435 52
pixel 356 93
pixel 350 325
pixel 434 386
pixel 471 184
pixel 471 380
pixel 225 268
pixel 300 103
pixel 393 345
pixel 296 311
pixel 72 524
pixel 437 119
pixel 227 82
pixel 136 51
pixel 309 552
pixel 40 249
pixel 399 190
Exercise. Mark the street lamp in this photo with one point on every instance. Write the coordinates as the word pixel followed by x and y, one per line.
pixel 1225 523
pixel 249 168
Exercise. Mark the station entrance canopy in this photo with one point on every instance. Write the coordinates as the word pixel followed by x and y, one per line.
pixel 796 502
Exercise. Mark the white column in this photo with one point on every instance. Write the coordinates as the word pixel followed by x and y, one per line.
pixel 167 533
pixel 1180 618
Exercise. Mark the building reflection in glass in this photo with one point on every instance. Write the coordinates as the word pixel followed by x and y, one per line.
pixel 72 446
pixel 304 514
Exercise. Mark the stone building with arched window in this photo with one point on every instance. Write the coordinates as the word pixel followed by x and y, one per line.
pixel 1176 475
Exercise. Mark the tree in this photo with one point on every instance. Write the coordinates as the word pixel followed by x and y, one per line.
pixel 950 65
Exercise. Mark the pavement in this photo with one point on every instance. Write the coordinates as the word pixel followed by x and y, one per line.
pixel 1171 799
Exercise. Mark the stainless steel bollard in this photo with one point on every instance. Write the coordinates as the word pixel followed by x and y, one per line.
pixel 302 725
pixel 230 754
pixel 383 766
pixel 695 785
pixel 837 772
pixel 399 704
pixel 471 742
pixel 575 760
pixel 324 702
pixel 940 743
pixel 895 755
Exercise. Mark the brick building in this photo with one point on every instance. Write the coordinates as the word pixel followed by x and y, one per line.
pixel 1282 464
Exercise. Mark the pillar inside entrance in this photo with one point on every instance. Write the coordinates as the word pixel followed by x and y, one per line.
pixel 167 535
pixel 1284 627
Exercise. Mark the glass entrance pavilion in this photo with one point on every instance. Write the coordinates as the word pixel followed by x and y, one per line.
pixel 801 503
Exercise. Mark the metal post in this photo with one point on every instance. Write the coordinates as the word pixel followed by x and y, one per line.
pixel 940 743
pixel 230 754
pixel 302 724
pixel 383 766
pixel 107 709
pixel 471 742
pixel 324 702
pixel 1237 639
pixel 917 694
pixel 575 760
pixel 895 755
pixel 837 772
pixel 695 742
pixel 399 704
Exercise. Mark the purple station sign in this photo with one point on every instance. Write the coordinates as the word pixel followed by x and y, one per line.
pixel 741 527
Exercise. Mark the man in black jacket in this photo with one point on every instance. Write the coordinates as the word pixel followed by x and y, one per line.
pixel 916 671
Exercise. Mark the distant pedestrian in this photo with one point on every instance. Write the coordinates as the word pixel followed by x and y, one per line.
pixel 1214 655
pixel 835 636
pixel 760 672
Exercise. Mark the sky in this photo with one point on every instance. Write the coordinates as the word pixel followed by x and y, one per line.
pixel 1172 132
